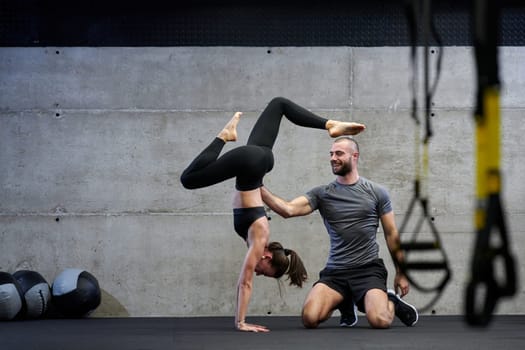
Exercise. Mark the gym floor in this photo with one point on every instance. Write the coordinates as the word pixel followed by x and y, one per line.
pixel 431 332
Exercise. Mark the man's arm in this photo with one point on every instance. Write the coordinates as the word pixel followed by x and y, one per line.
pixel 296 207
pixel 393 243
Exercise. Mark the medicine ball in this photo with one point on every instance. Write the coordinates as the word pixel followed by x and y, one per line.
pixel 11 300
pixel 76 293
pixel 36 292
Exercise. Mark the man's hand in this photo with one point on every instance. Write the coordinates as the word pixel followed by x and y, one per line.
pixel 401 285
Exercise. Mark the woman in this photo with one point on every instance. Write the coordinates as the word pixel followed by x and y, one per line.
pixel 248 164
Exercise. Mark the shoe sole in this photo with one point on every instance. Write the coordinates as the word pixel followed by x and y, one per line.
pixel 405 304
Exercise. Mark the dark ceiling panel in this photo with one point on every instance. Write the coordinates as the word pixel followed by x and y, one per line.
pixel 236 23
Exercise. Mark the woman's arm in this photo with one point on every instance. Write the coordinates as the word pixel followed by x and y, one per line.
pixel 256 245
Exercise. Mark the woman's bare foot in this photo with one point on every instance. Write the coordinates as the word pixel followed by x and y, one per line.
pixel 229 133
pixel 337 128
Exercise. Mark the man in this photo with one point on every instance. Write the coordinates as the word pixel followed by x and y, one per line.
pixel 351 207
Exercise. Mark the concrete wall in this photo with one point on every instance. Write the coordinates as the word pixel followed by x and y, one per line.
pixel 93 141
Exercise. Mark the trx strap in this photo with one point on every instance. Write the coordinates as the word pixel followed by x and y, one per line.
pixel 420 199
pixel 489 215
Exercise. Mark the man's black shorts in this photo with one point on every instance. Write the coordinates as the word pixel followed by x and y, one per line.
pixel 355 282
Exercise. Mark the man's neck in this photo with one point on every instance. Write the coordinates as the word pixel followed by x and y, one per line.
pixel 349 179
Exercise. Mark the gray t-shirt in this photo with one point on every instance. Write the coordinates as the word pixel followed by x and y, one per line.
pixel 351 215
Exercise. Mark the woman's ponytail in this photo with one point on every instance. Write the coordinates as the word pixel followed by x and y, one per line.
pixel 287 261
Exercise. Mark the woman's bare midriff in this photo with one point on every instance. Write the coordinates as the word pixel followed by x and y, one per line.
pixel 247 199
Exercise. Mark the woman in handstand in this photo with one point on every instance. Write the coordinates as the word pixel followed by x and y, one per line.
pixel 248 164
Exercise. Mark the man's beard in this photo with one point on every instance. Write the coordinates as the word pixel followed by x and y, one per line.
pixel 344 169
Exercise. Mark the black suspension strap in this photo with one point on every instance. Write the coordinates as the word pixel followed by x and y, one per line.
pixel 485 288
pixel 420 198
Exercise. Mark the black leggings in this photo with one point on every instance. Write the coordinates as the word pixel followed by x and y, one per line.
pixel 249 163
